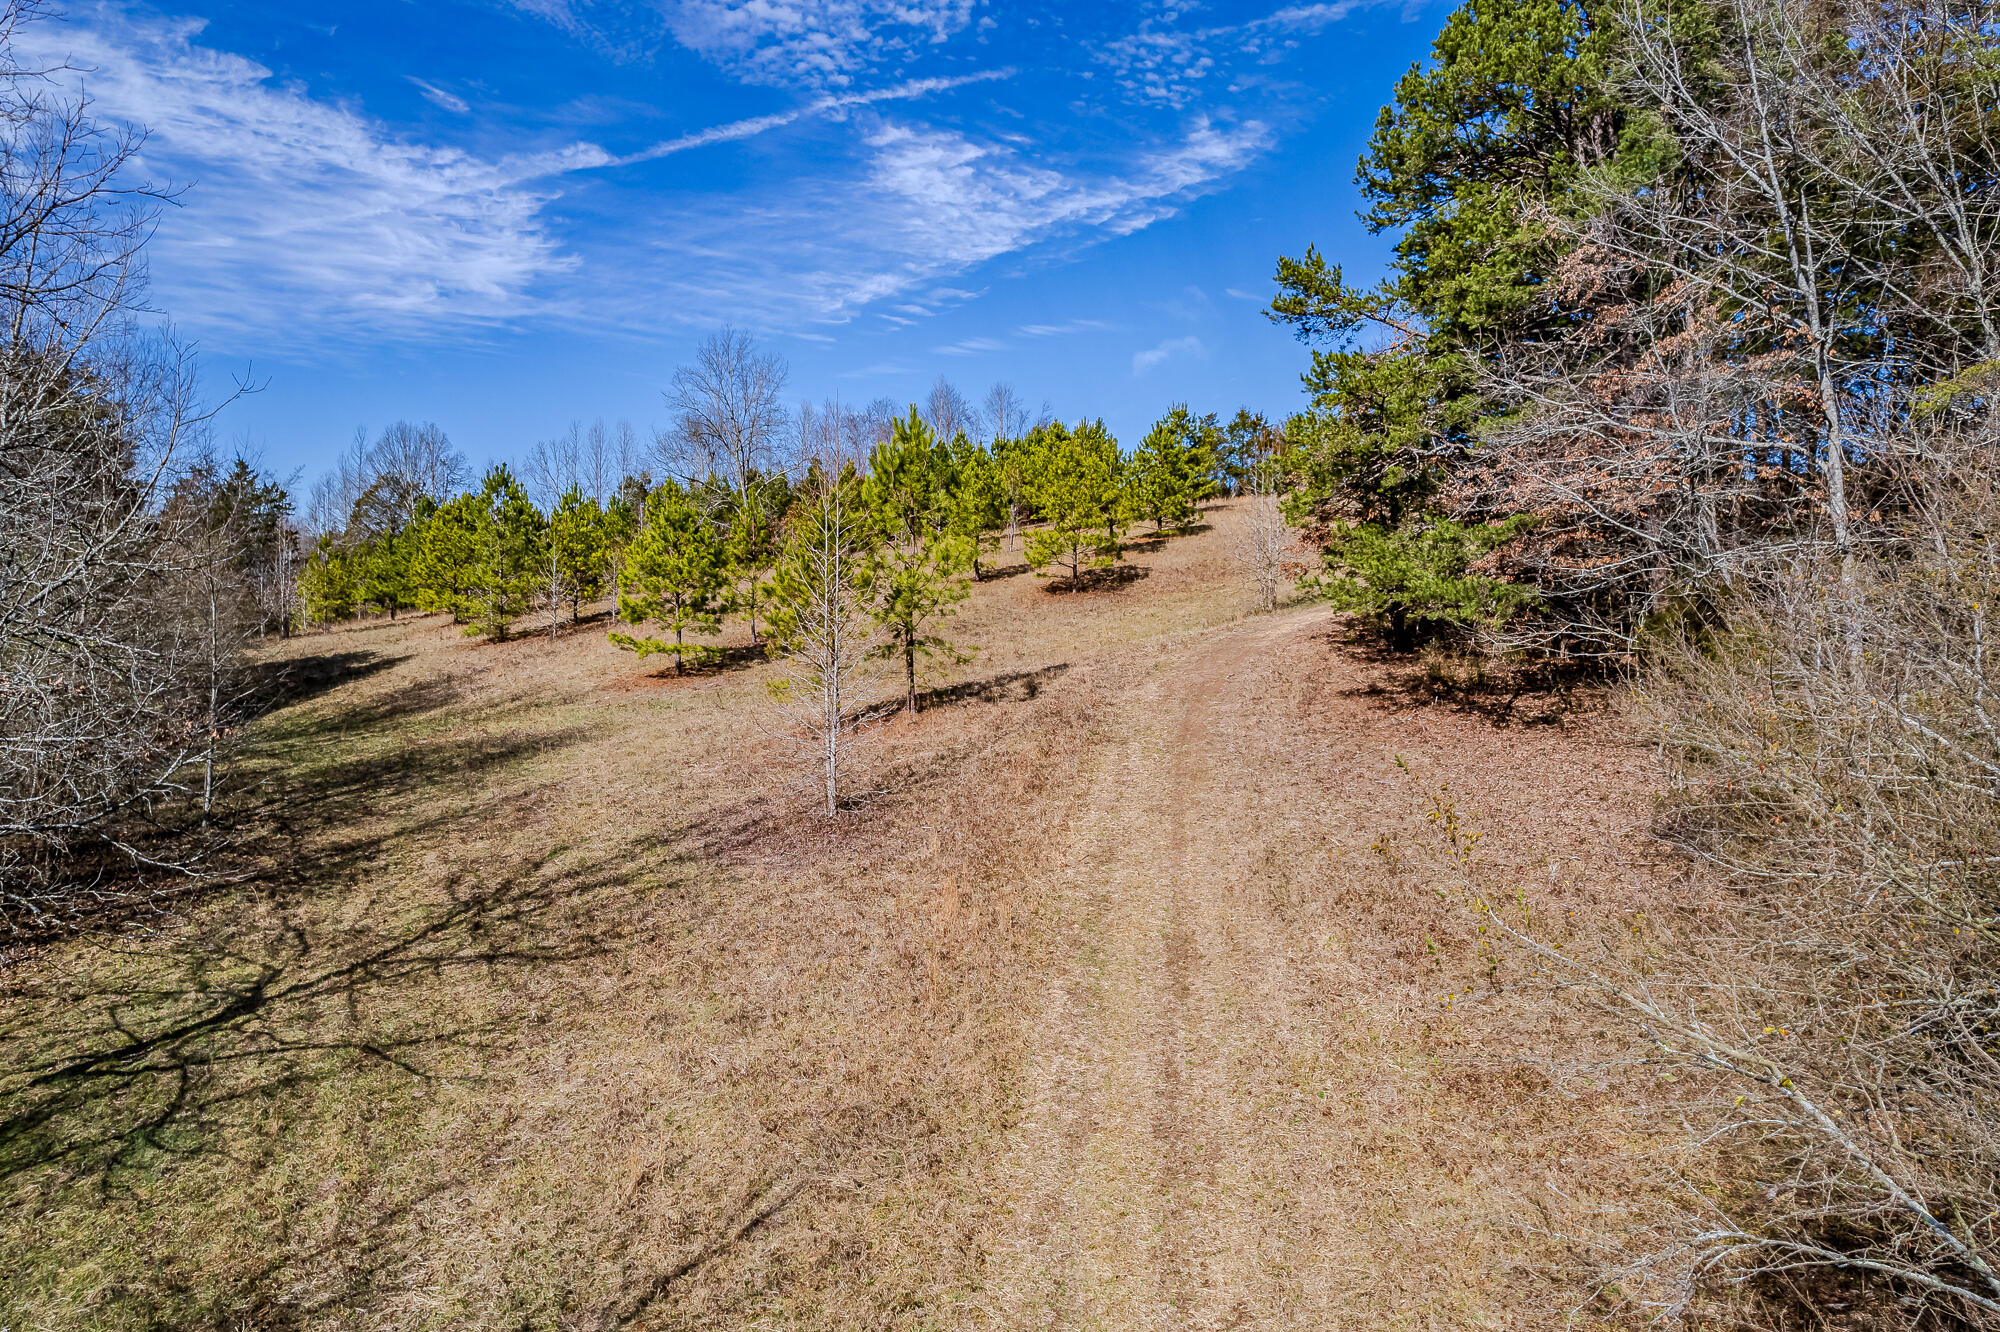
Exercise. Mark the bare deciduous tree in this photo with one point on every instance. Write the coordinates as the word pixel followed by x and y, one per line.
pixel 1004 415
pixel 422 459
pixel 828 676
pixel 114 635
pixel 947 412
pixel 1265 541
pixel 408 462
pixel 729 415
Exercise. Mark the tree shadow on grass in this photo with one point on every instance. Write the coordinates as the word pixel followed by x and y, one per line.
pixel 276 684
pixel 131 1090
pixel 114 1062
pixel 718 661
pixel 1101 580
pixel 1010 687
pixel 323 990
pixel 338 969
pixel 1000 573
pixel 1502 693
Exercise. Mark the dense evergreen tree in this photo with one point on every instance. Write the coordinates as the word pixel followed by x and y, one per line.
pixel 250 515
pixel 327 584
pixel 447 551
pixel 506 565
pixel 1075 480
pixel 576 550
pixel 750 520
pixel 1511 108
pixel 675 577
pixel 382 534
pixel 915 569
pixel 621 524
pixel 1173 470
pixel 975 500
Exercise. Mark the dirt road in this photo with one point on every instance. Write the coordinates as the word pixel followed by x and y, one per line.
pixel 1247 1108
pixel 1148 1176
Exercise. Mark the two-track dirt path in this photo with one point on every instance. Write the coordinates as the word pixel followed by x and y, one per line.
pixel 1247 1104
pixel 1146 1176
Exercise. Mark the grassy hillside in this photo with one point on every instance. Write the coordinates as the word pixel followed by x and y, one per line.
pixel 550 1003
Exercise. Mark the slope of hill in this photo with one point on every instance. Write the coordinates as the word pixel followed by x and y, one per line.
pixel 1119 1002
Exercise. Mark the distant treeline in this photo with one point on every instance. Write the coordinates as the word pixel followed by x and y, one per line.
pixel 689 533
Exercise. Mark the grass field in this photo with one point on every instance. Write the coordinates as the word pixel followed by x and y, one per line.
pixel 1114 1004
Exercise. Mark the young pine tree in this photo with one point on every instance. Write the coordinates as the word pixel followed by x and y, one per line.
pixel 1366 486
pixel 1075 480
pixel 510 537
pixel 1174 468
pixel 675 577
pixel 916 569
pixel 975 500
pixel 576 553
pixel 621 525
pixel 326 584
pixel 446 551
pixel 1013 460
pixel 750 547
pixel 379 530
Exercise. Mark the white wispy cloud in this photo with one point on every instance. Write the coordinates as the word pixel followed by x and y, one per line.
pixel 439 97
pixel 970 347
pixel 830 105
pixel 786 43
pixel 1305 17
pixel 925 205
pixel 1152 357
pixel 308 219
pixel 1163 63
pixel 954 202
pixel 1063 329
pixel 822 43
pixel 303 214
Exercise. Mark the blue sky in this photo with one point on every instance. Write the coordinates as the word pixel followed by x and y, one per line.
pixel 505 215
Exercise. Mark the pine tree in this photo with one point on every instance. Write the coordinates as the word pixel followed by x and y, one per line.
pixel 1075 480
pixel 326 584
pixel 975 499
pixel 1174 467
pixel 383 567
pixel 379 527
pixel 621 525
pixel 447 551
pixel 252 514
pixel 508 543
pixel 916 570
pixel 1249 443
pixel 750 548
pixel 820 629
pixel 576 553
pixel 675 577
pixel 1366 486
pixel 1511 111
pixel 1013 460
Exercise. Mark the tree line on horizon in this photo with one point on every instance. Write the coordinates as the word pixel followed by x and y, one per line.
pixel 692 531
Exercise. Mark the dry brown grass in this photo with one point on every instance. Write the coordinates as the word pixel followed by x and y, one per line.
pixel 554 1008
